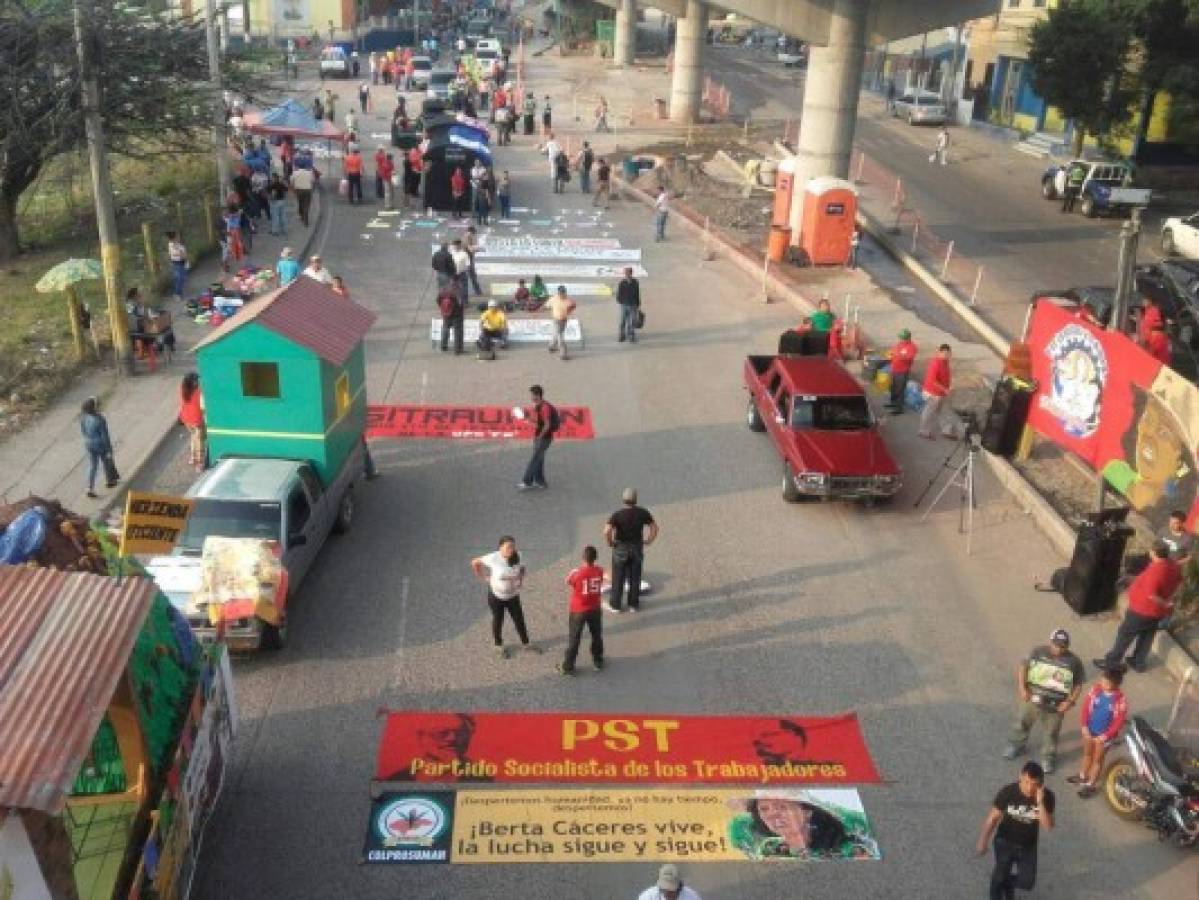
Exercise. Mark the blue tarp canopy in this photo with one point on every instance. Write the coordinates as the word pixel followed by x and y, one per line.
pixel 291 118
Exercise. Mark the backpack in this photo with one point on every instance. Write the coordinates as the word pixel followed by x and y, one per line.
pixel 555 420
pixel 448 304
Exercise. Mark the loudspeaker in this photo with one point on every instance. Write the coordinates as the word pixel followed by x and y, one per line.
pixel 1006 417
pixel 1090 584
pixel 791 343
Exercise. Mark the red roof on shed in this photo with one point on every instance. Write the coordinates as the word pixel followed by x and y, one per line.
pixel 65 639
pixel 308 313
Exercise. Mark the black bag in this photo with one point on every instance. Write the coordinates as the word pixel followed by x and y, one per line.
pixel 111 475
pixel 555 420
pixel 639 319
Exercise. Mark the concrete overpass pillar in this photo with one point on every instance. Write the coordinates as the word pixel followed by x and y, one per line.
pixel 624 50
pixel 830 105
pixel 687 84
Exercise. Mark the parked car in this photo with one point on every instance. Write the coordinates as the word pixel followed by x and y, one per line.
pixel 1098 301
pixel 819 420
pixel 489 44
pixel 920 108
pixel 793 54
pixel 422 68
pixel 335 61
pixel 1096 196
pixel 279 500
pixel 1180 235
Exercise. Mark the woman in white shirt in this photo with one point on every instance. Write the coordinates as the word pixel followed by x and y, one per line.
pixel 504 573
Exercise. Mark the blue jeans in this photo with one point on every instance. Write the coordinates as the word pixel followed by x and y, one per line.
pixel 628 316
pixel 584 181
pixel 505 206
pixel 659 226
pixel 278 217
pixel 178 277
pixel 94 457
pixel 535 470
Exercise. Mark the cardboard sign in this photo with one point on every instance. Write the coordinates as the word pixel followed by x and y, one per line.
pixel 471 422
pixel 153 522
pixel 582 748
pixel 520 331
pixel 608 826
pixel 551 271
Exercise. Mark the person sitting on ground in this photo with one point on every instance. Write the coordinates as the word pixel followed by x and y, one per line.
pixel 522 298
pixel 539 292
pixel 493 328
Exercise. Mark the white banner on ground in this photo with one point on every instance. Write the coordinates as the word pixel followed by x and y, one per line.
pixel 557 270
pixel 573 288
pixel 544 250
pixel 503 242
pixel 520 331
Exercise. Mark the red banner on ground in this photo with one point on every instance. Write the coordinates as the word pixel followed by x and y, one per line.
pixel 539 748
pixel 477 422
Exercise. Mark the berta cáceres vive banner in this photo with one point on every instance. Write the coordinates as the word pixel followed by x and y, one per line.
pixel 477 422
pixel 1109 402
pixel 603 748
pixel 619 825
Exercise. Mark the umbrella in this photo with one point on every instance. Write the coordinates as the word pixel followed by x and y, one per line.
pixel 64 277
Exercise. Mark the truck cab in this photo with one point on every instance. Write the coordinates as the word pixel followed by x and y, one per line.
pixel 277 500
pixel 819 420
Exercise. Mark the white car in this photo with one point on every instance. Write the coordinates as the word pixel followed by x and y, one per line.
pixel 923 108
pixel 422 67
pixel 488 44
pixel 1180 235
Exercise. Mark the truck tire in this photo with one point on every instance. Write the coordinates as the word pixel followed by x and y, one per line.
pixel 272 637
pixel 790 491
pixel 1048 191
pixel 753 418
pixel 1168 248
pixel 1088 207
pixel 345 513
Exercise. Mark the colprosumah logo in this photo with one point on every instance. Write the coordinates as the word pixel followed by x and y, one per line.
pixel 411 822
pixel 1078 372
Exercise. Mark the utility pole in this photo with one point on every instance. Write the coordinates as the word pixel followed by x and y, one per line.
pixel 415 24
pixel 220 144
pixel 106 216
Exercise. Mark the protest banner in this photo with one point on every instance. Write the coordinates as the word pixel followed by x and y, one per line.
pixel 472 422
pixel 580 748
pixel 520 331
pixel 410 827
pixel 153 522
pixel 553 271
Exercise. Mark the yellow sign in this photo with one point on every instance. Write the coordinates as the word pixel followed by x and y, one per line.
pixel 153 522
pixel 724 825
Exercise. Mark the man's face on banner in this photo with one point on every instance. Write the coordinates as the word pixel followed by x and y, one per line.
pixel 444 738
pixel 1159 449
pixel 780 743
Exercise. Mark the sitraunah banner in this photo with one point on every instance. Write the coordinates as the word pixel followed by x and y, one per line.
pixel 632 748
pixel 1105 399
pixel 478 422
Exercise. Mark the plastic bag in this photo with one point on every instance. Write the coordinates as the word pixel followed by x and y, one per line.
pixel 24 536
pixel 343 187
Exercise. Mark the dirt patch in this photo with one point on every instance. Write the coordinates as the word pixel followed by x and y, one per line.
pixel 70 544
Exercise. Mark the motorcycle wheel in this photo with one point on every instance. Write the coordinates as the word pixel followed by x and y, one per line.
pixel 1120 784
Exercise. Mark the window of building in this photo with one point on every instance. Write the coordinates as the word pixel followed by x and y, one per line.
pixel 1013 3
pixel 260 380
pixel 341 395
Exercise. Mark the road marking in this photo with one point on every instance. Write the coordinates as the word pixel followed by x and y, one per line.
pixel 399 670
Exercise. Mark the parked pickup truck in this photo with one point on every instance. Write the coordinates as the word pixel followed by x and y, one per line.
pixel 817 415
pixel 279 500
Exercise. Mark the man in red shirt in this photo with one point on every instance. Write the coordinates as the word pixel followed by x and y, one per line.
pixel 1149 601
pixel 1157 342
pixel 385 168
pixel 353 169
pixel 1151 315
pixel 585 582
pixel 937 381
pixel 458 191
pixel 903 355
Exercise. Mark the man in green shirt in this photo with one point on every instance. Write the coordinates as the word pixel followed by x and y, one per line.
pixel 823 318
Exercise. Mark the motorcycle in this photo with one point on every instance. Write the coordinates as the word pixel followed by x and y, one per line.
pixel 1151 785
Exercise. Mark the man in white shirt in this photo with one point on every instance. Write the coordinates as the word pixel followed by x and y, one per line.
pixel 669 887
pixel 462 265
pixel 560 307
pixel 661 210
pixel 552 149
pixel 504 573
pixel 302 182
pixel 317 270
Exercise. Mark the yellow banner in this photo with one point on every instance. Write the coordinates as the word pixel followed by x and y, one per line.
pixel 153 522
pixel 561 826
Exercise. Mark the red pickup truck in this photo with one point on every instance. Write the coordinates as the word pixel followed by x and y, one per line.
pixel 817 415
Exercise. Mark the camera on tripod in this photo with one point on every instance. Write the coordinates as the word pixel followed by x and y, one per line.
pixel 973 427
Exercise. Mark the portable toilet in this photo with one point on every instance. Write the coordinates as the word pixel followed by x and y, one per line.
pixel 286 377
pixel 830 207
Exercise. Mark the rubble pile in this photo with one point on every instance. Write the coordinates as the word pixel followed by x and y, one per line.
pixel 69 544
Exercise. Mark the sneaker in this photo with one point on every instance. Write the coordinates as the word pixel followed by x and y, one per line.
pixel 504 652
pixel 1012 751
pixel 540 485
pixel 562 670
pixel 599 665
pixel 1087 790
pixel 1075 779
pixel 608 607
pixel 524 486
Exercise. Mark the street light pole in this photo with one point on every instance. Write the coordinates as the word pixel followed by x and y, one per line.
pixel 106 216
pixel 219 141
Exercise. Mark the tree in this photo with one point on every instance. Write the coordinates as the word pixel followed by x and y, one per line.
pixel 1078 54
pixel 155 99
pixel 1167 35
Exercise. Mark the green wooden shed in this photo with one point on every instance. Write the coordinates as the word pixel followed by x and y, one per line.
pixel 286 377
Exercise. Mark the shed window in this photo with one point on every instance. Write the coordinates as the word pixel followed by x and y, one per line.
pixel 260 379
pixel 341 395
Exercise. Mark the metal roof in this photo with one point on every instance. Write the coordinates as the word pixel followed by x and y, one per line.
pixel 65 639
pixel 238 478
pixel 308 313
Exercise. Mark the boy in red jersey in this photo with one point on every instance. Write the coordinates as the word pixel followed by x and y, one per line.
pixel 585 582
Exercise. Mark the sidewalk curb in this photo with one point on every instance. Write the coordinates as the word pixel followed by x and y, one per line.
pixel 130 474
pixel 1059 532
pixel 989 335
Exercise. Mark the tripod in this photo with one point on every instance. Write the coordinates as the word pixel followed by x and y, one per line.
pixel 963 478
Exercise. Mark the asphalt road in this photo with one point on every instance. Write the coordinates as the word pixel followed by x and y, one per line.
pixel 758 606
pixel 987 200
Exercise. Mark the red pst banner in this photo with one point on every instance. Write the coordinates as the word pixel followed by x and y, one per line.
pixel 538 748
pixel 478 422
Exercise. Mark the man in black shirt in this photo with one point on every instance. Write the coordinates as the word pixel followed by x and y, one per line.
pixel 628 295
pixel 1016 818
pixel 629 531
pixel 443 265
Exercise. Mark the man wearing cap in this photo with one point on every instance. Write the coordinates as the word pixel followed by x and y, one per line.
pixel 493 329
pixel 669 886
pixel 629 531
pixel 1049 681
pixel 1150 599
pixel 903 355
